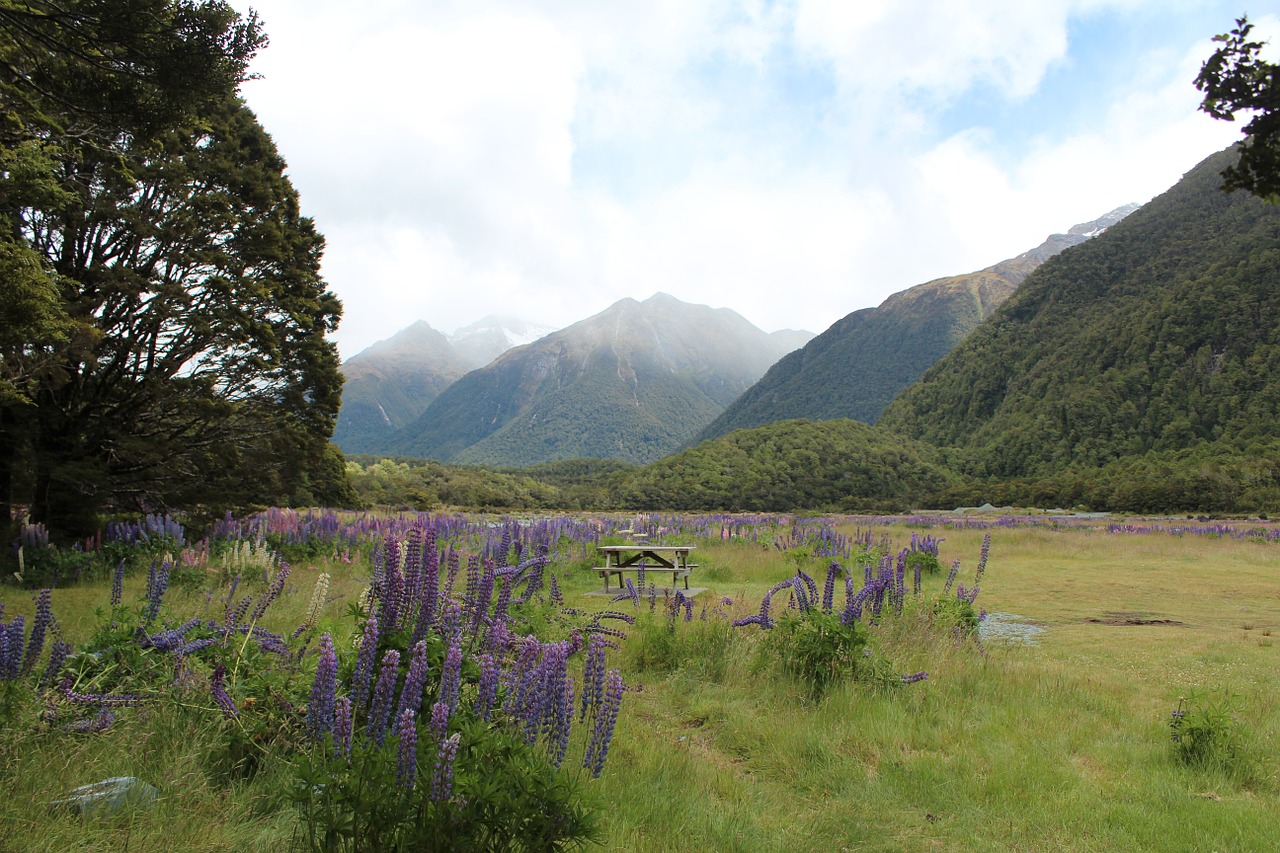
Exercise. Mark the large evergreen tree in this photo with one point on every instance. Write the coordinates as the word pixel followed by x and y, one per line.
pixel 172 344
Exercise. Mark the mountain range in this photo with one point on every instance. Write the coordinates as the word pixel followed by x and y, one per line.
pixel 853 369
pixel 634 383
pixel 392 382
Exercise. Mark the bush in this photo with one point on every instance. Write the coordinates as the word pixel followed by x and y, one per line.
pixel 817 648
pixel 1204 733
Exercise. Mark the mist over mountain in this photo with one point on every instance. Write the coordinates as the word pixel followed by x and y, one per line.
pixel 853 369
pixel 632 383
pixel 392 382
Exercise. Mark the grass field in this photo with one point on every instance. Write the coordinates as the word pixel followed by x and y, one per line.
pixel 1062 743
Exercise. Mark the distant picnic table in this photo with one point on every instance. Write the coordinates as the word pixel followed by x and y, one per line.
pixel 668 559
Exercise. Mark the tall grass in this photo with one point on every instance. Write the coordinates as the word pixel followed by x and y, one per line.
pixel 1063 744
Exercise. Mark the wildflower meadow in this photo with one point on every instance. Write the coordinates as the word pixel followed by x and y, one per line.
pixel 325 681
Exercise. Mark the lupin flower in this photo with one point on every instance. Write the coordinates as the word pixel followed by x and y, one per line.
pixel 364 663
pixel 102 700
pixel 157 585
pixel 602 731
pixel 829 587
pixel 439 721
pixel 915 677
pixel 39 626
pixel 194 646
pixel 451 677
pixel 442 779
pixel 487 693
pixel 383 694
pixel 407 750
pixel 554 594
pixel 57 657
pixel 323 691
pixel 235 614
pixel 951 577
pixel 220 695
pixel 173 638
pixel 982 558
pixel 100 722
pixel 342 727
pixel 411 693
pixel 272 592
pixel 11 647
pixel 117 584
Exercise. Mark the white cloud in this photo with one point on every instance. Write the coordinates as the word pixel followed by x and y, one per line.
pixel 786 159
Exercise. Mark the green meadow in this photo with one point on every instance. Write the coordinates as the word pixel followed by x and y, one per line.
pixel 1048 730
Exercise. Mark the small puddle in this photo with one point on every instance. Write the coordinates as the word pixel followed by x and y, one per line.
pixel 1009 628
pixel 1125 617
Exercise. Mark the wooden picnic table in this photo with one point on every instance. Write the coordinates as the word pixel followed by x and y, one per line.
pixel 669 559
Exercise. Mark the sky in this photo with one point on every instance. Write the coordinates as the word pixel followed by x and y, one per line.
pixel 794 160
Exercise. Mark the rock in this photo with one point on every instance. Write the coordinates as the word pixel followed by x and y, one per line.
pixel 109 796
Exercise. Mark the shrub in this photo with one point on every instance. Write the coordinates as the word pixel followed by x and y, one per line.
pixel 1204 733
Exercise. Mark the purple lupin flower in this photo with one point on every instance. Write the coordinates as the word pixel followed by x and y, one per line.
pixel 951 578
pixel 383 695
pixel 558 736
pixel 157 585
pixel 853 608
pixel 96 724
pixel 451 623
pixel 272 592
pixel 169 640
pixel 915 677
pixel 982 558
pixel 798 596
pixel 363 674
pixel 39 626
pixel 517 676
pixel 117 584
pixel 220 696
pixel 390 596
pixel 442 778
pixel 811 588
pixel 343 724
pixel 194 646
pixel 602 731
pixel 230 596
pixel 545 688
pixel 11 660
pixel 407 750
pixel 57 657
pixel 411 693
pixel 439 721
pixel 554 594
pixel 235 614
pixel 102 700
pixel 829 587
pixel 487 693
pixel 323 691
pixel 484 594
pixel 451 677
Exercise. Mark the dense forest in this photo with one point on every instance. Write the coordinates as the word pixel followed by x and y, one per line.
pixel 1158 336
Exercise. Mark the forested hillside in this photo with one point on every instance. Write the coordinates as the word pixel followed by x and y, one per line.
pixel 832 465
pixel 854 368
pixel 1160 336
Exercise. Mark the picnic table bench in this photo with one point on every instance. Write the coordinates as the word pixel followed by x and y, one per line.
pixel 668 559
